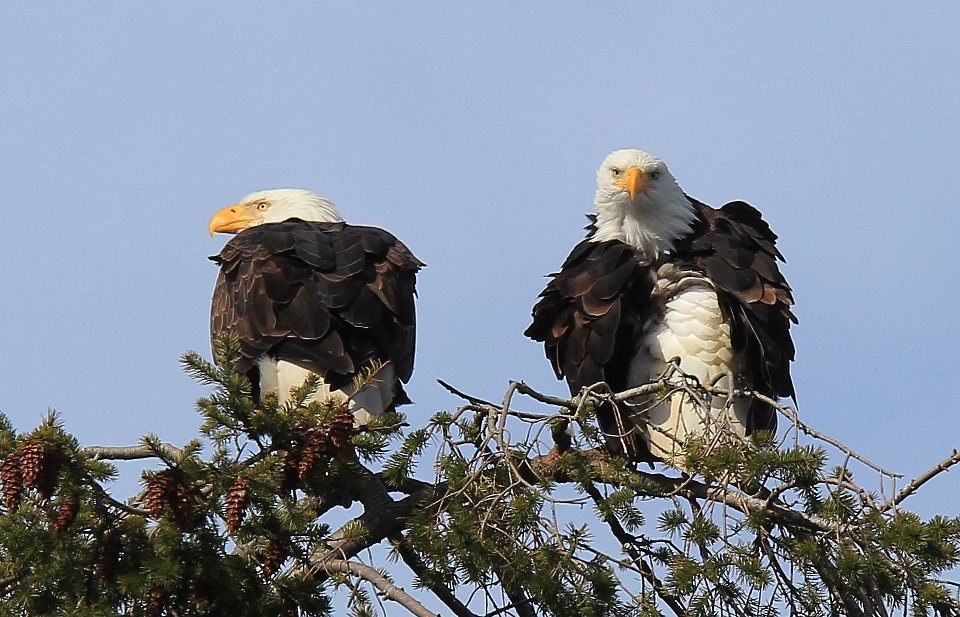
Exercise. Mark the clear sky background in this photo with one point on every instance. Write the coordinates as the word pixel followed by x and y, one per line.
pixel 472 131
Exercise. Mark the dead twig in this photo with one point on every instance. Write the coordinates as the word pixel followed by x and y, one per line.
pixel 922 479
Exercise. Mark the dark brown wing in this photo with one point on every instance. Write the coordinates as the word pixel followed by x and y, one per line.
pixel 592 312
pixel 326 296
pixel 589 317
pixel 738 253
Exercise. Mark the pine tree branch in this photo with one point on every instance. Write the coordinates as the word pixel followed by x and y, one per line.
pixel 130 453
pixel 523 388
pixel 663 381
pixel 784 581
pixel 522 604
pixel 364 531
pixel 628 543
pixel 464 395
pixel 10 581
pixel 791 415
pixel 409 486
pixel 382 517
pixel 119 505
pixel 381 582
pixel 443 593
pixel 599 462
pixel 922 479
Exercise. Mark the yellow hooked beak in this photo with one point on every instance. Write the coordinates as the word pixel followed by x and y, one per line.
pixel 633 181
pixel 233 218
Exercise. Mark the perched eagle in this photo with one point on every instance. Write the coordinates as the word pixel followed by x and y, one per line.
pixel 307 293
pixel 661 276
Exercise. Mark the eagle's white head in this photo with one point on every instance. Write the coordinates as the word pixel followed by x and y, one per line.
pixel 273 206
pixel 639 202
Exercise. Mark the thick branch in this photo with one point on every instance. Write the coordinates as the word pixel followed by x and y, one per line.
pixel 381 582
pixel 443 593
pixel 130 453
pixel 382 517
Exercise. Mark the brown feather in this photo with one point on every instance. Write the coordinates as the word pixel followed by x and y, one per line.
pixel 327 296
pixel 594 309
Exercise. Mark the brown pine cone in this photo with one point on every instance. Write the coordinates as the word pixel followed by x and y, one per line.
pixel 238 497
pixel 291 473
pixel 66 515
pixel 318 447
pixel 109 556
pixel 277 552
pixel 181 505
pixel 46 481
pixel 341 427
pixel 159 488
pixel 32 456
pixel 11 473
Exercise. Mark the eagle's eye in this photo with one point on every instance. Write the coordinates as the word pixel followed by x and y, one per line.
pixel 654 175
pixel 616 172
pixel 262 205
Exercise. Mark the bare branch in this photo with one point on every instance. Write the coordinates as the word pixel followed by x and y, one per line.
pixel 664 382
pixel 119 505
pixel 381 582
pixel 464 395
pixel 523 388
pixel 791 414
pixel 922 479
pixel 599 461
pixel 130 453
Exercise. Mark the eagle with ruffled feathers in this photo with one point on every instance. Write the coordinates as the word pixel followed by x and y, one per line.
pixel 307 293
pixel 663 277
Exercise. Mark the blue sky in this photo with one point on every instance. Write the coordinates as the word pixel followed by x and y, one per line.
pixel 472 131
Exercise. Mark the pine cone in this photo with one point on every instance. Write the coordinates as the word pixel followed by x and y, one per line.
pixel 238 497
pixel 277 552
pixel 181 505
pixel 341 427
pixel 49 475
pixel 66 515
pixel 109 556
pixel 318 447
pixel 159 489
pixel 156 602
pixel 32 456
pixel 11 473
pixel 291 473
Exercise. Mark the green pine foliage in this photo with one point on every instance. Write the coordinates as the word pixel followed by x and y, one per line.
pixel 490 510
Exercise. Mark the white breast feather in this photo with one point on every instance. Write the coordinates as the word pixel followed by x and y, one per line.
pixel 693 329
pixel 280 376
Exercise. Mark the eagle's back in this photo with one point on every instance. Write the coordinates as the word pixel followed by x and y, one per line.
pixel 328 297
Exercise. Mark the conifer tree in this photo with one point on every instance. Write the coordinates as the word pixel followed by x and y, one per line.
pixel 490 508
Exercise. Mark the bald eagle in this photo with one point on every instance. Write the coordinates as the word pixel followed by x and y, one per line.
pixel 307 293
pixel 662 276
